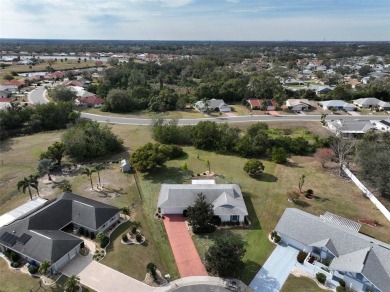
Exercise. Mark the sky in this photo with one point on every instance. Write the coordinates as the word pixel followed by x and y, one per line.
pixel 242 20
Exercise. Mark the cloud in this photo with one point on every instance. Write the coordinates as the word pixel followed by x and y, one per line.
pixel 175 3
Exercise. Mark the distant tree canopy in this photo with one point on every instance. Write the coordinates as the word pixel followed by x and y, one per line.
pixel 374 161
pixel 18 119
pixel 88 139
pixel 62 93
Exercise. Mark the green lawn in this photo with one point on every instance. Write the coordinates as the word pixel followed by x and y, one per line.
pixel 132 259
pixel 293 284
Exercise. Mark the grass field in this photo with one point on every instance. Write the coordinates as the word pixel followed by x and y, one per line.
pixel 65 65
pixel 293 284
pixel 265 197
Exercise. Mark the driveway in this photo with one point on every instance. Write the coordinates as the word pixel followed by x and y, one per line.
pixel 102 278
pixel 276 269
pixel 187 258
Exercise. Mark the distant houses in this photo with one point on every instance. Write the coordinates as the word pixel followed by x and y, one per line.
pixel 298 104
pixel 214 105
pixel 337 105
pixel 263 104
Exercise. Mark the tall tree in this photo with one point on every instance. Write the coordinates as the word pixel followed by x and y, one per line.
pixel 200 214
pixel 88 172
pixel 224 257
pixel 342 149
pixel 98 168
pixel 27 184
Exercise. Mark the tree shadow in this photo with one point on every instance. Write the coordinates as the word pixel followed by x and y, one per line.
pixel 320 199
pixel 60 184
pixel 251 268
pixel 183 157
pixel 302 204
pixel 116 234
pixel 6 145
pixel 292 164
pixel 172 175
pixel 266 177
pixel 253 218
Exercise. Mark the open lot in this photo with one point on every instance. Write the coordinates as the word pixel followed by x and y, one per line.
pixel 265 197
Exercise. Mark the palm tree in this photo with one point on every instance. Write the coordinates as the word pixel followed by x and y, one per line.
pixel 301 182
pixel 34 182
pixel 27 184
pixel 72 283
pixel 89 172
pixel 98 168
pixel 44 267
pixel 208 165
pixel 44 167
pixel 66 187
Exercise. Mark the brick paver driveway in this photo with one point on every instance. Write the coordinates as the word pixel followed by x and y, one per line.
pixel 187 258
pixel 102 278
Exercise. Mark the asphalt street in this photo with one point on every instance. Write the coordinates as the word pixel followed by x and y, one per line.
pixel 37 96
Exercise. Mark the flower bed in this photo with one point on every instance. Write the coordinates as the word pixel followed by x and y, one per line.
pixel 368 222
pixel 131 239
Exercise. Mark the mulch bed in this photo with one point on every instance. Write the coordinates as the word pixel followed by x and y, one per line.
pixel 309 197
pixel 368 222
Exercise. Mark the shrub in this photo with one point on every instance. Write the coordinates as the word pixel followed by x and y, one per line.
pixel 277 238
pixel 273 234
pixel 321 278
pixel 301 257
pixel 216 220
pixel 104 242
pixel 15 264
pixel 81 231
pixel 124 237
pixel 185 213
pixel 152 269
pixel 342 283
pixel 32 269
pixel 134 229
pixel 278 155
pixel 86 233
pixel 14 257
pixel 92 235
pixel 309 192
pixel 138 237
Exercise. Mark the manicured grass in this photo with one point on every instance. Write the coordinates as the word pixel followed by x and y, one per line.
pixel 293 284
pixel 14 280
pixel 132 259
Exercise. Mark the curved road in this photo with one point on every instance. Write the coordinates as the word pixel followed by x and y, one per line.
pixel 37 96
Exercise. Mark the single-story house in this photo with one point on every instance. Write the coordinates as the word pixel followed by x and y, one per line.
pixel 337 105
pixel 227 200
pixel 361 261
pixel 349 128
pixel 93 101
pixel 320 89
pixel 215 105
pixel 253 103
pixel 298 104
pixel 367 102
pixel 4 103
pixel 9 88
pixel 48 233
pixel 384 106
pixel 382 125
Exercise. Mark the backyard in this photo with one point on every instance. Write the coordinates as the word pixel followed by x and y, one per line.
pixel 265 197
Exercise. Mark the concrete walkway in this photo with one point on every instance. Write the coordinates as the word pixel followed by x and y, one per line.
pixel 276 269
pixel 102 278
pixel 186 256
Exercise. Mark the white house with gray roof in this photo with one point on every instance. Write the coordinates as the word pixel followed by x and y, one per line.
pixel 349 128
pixel 337 105
pixel 361 261
pixel 227 200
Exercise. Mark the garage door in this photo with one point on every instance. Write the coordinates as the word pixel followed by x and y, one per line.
pixel 173 210
pixel 62 261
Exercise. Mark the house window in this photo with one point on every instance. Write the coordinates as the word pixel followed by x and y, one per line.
pixel 234 217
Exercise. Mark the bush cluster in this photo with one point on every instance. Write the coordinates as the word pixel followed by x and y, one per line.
pixel 301 257
pixel 321 278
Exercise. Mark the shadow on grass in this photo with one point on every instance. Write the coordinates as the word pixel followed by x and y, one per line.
pixel 249 271
pixel 6 145
pixel 117 234
pixel 319 199
pixel 266 177
pixel 60 184
pixel 173 175
pixel 292 164
pixel 302 204
pixel 255 223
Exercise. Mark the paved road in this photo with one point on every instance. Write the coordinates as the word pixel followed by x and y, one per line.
pixel 308 118
pixel 38 95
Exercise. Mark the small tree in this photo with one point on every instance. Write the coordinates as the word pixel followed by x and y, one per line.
pixel 200 214
pixel 254 167
pixel 323 119
pixel 152 269
pixel 44 167
pixel 44 267
pixel 72 284
pixel 324 155
pixel 301 183
pixel 184 167
pixel 66 187
pixel 224 257
pixel 207 162
pixel 125 211
pixel 56 151
pixel 342 148
pixel 88 172
pixel 27 184
pixel 279 155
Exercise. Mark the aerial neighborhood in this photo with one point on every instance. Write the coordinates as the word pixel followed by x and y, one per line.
pixel 164 166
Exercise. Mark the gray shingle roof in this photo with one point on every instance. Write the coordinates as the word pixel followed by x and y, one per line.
pixel 354 251
pixel 47 241
pixel 226 198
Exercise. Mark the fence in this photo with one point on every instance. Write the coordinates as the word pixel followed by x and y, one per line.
pixel 369 195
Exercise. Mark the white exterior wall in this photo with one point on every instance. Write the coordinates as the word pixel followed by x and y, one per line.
pixel 295 243
pixel 108 223
pixel 66 258
pixel 172 210
pixel 225 109
pixel 225 218
pixel 356 285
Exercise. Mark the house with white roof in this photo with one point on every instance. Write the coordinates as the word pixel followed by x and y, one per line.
pixel 227 200
pixel 337 249
pixel 298 104
pixel 367 102
pixel 382 125
pixel 337 105
pixel 214 105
